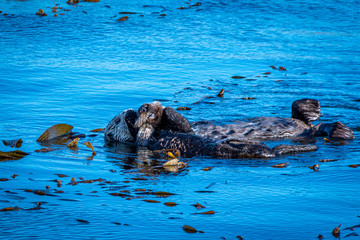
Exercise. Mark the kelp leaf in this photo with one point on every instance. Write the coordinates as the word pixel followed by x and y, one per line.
pixel 183 109
pixel 151 201
pixel 189 229
pixel 97 130
pixel 354 165
pixel 13 155
pixel 170 204
pixel 237 77
pixel 61 175
pixel 89 145
pixel 55 131
pixel 280 165
pixel 221 93
pixel 207 212
pixel 73 143
pixel 336 231
pixel 163 194
pixel 7 209
pixel 82 221
pixel 207 168
pixel 198 206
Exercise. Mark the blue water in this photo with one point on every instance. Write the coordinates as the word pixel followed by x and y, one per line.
pixel 84 67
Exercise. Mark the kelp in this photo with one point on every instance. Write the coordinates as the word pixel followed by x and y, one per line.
pixel 55 131
pixel 89 145
pixel 221 93
pixel 336 231
pixel 73 143
pixel 13 155
pixel 189 229
pixel 170 204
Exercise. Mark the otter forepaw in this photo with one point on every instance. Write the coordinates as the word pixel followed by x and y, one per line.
pixel 340 130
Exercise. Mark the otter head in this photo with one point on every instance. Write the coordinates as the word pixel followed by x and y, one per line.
pixel 306 110
pixel 149 117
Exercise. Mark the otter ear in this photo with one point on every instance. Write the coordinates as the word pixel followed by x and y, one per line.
pixel 306 110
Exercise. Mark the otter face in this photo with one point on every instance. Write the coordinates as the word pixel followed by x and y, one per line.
pixel 306 110
pixel 149 117
pixel 149 114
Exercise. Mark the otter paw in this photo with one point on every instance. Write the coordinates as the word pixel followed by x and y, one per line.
pixel 340 130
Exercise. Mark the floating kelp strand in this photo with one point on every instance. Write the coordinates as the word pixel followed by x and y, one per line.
pixel 189 229
pixel 207 169
pixel 97 130
pixel 61 175
pixel 151 201
pixel 127 13
pixel 82 221
pixel 163 194
pixel 170 204
pixel 238 77
pixel 354 165
pixel 7 209
pixel 122 19
pixel 183 109
pixel 280 165
pixel 206 213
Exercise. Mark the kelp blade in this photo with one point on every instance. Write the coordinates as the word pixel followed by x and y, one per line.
pixel 55 131
pixel 14 155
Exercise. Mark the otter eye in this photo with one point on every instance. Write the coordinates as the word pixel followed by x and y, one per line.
pixel 143 109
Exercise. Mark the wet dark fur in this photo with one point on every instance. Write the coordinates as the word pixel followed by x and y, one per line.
pixel 158 128
pixel 172 120
pixel 191 145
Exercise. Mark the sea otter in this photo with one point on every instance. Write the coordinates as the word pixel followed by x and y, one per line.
pixel 163 128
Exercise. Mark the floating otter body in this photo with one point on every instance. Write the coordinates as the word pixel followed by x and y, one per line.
pixel 163 128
